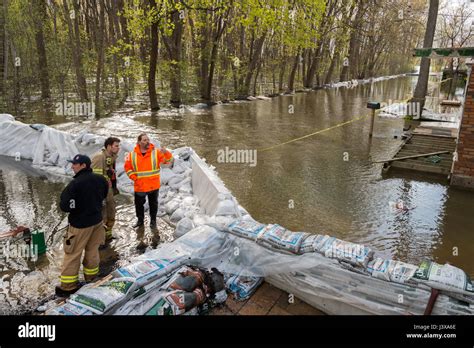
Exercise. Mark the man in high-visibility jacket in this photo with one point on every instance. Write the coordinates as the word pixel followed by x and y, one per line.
pixel 103 163
pixel 142 165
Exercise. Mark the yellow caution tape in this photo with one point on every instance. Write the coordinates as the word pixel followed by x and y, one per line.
pixel 321 130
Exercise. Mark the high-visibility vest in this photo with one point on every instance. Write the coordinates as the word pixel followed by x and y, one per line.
pixel 145 170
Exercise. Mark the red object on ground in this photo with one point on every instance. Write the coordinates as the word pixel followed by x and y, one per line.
pixel 20 230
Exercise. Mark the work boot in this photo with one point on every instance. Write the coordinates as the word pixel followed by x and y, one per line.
pixel 153 224
pixel 65 293
pixel 137 224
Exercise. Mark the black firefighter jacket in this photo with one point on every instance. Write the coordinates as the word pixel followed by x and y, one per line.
pixel 83 198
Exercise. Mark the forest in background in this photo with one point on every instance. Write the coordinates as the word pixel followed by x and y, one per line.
pixel 184 51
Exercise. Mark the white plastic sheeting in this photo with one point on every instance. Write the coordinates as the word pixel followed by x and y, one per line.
pixel 49 149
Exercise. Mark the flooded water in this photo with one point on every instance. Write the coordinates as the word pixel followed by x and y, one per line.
pixel 326 184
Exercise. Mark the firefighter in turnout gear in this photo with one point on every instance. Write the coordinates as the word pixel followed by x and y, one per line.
pixel 142 165
pixel 103 163
pixel 82 199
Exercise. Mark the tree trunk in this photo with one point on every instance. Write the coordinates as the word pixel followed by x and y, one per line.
pixel 174 48
pixel 254 61
pixel 422 85
pixel 330 71
pixel 100 55
pixel 113 38
pixel 153 61
pixel 291 78
pixel 75 42
pixel 39 17
pixel 2 48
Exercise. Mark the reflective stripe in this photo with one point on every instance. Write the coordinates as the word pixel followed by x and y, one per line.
pixel 91 271
pixel 153 159
pixel 148 174
pixel 97 170
pixel 69 279
pixel 134 161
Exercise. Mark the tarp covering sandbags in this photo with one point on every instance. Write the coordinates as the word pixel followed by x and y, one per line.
pixel 49 148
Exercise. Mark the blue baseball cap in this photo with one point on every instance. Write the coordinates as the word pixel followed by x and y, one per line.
pixel 81 159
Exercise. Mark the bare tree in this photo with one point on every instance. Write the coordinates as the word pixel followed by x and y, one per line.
pixel 422 85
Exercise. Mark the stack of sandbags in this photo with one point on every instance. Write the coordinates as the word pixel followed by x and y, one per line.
pixel 105 298
pixel 147 271
pixel 391 270
pixel 246 228
pixel 278 237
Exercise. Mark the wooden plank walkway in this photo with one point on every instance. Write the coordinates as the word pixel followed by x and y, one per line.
pixel 424 141
pixel 267 300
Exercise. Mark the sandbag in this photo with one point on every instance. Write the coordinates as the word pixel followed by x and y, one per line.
pixel 70 309
pixel 165 175
pixel 181 301
pixel 352 253
pixel 103 298
pixel 226 207
pixel 444 277
pixel 391 270
pixel 183 226
pixel 147 271
pixel 316 243
pixel 281 238
pixel 246 228
pixel 177 215
pixel 172 205
pixel 242 287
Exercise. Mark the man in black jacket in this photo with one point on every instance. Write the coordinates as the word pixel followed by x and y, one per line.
pixel 83 199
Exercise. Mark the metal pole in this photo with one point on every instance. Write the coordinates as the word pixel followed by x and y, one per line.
pixel 372 123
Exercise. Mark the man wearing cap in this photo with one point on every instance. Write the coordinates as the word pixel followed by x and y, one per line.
pixel 103 163
pixel 83 199
pixel 142 166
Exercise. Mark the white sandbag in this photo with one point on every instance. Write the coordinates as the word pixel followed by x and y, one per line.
pixel 219 222
pixel 178 167
pixel 176 178
pixel 186 188
pixel 316 243
pixel 391 270
pixel 165 175
pixel 356 254
pixel 308 245
pixel 177 185
pixel 172 205
pixel 444 277
pixel 279 237
pixel 147 271
pixel 70 309
pixel 177 215
pixel 183 226
pixel 103 298
pixel 6 117
pixel 242 287
pixel 226 207
pixel 246 228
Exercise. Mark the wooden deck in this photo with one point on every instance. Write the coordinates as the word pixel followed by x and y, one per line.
pixel 426 141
